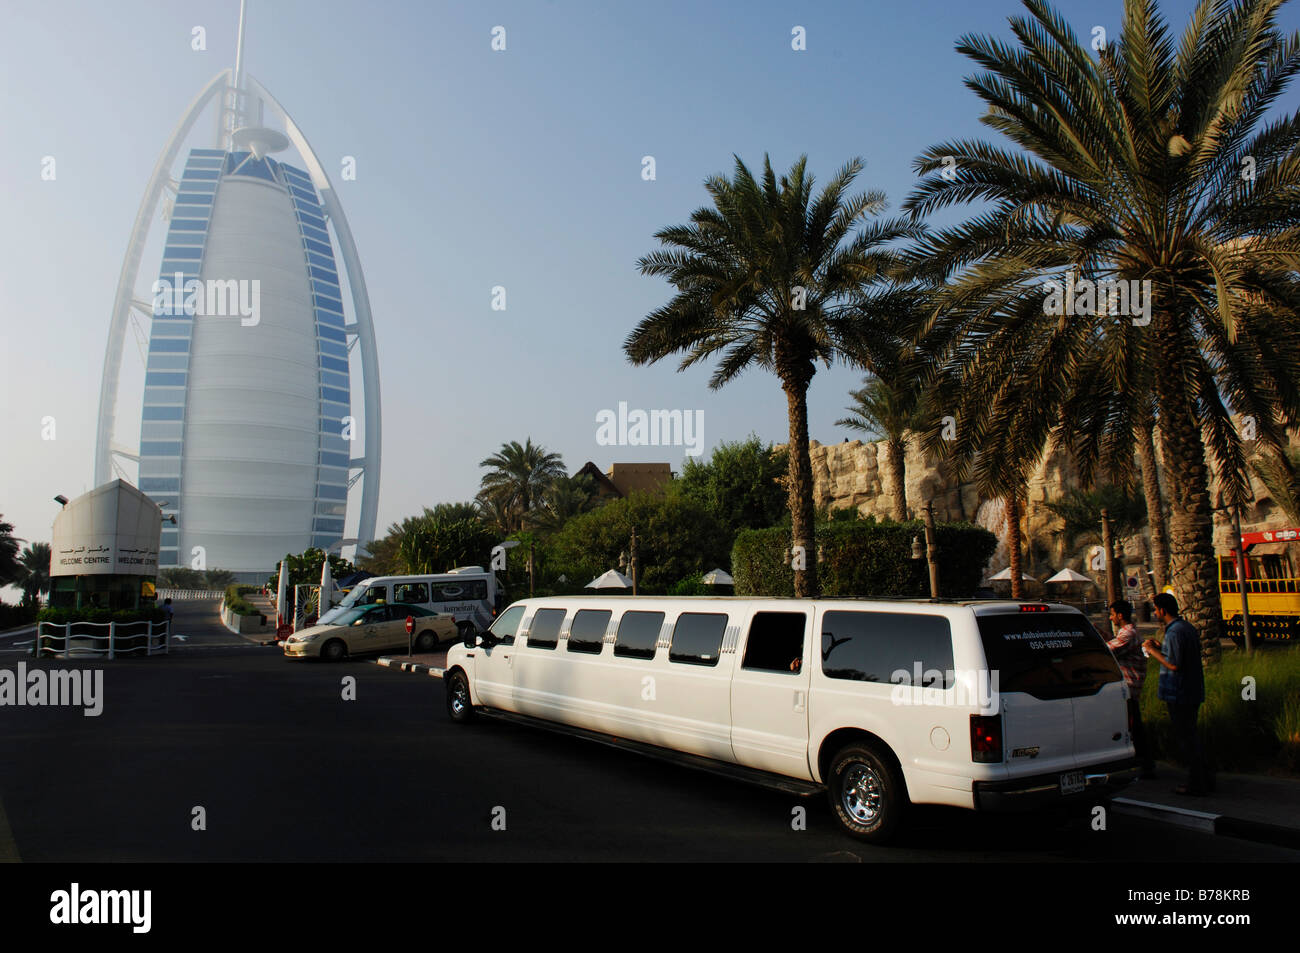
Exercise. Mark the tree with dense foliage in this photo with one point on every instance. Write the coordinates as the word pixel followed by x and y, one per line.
pixel 1148 166
pixel 35 560
pixel 305 568
pixel 11 570
pixel 180 577
pixel 434 544
pixel 742 484
pixel 565 498
pixel 676 538
pixel 772 277
pixel 1080 513
pixel 516 480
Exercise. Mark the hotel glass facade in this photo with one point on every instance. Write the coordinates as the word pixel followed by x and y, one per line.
pixel 244 420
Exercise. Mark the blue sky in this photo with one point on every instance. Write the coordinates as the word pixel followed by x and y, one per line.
pixel 475 169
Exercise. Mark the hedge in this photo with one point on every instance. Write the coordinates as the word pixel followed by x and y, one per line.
pixel 14 616
pixel 143 614
pixel 866 559
pixel 236 602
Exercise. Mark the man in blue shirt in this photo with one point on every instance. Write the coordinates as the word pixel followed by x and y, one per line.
pixel 1182 688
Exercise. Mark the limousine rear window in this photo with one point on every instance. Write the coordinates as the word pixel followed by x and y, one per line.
pixel 544 632
pixel 507 624
pixel 1055 655
pixel 888 647
pixel 638 634
pixel 697 638
pixel 587 631
pixel 775 642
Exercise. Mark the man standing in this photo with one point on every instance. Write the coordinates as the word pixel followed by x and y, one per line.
pixel 1128 653
pixel 1182 688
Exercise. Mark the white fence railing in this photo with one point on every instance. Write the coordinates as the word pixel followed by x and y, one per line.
pixel 79 639
pixel 181 595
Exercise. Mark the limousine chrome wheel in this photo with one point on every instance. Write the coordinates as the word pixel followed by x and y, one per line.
pixel 866 793
pixel 459 706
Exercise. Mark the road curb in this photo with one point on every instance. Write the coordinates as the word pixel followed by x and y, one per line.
pixel 1209 823
pixel 417 668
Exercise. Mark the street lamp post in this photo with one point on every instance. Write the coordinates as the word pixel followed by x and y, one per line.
pixel 931 549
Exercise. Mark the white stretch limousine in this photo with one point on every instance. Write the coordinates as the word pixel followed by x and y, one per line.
pixel 983 705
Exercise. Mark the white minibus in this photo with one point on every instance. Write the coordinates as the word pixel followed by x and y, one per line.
pixel 470 594
pixel 981 705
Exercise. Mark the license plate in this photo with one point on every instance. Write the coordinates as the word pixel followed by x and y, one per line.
pixel 1072 783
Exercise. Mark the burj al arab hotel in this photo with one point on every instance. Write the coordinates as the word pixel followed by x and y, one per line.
pixel 249 436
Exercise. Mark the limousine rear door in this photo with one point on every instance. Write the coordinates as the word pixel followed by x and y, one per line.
pixel 1060 706
pixel 769 694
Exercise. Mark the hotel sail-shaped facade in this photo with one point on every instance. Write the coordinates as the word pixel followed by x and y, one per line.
pixel 249 437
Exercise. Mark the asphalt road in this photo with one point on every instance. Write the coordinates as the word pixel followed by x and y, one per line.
pixel 284 767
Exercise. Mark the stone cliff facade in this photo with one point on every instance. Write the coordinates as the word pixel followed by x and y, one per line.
pixel 855 475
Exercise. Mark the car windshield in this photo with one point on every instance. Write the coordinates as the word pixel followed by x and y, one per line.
pixel 353 597
pixel 349 616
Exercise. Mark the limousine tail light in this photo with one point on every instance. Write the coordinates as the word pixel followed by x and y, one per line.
pixel 986 739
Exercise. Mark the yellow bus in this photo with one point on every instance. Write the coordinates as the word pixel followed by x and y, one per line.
pixel 1272 587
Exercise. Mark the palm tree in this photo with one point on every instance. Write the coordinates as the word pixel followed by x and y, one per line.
pixel 1155 500
pixel 764 278
pixel 11 570
pixel 1134 169
pixel 564 499
pixel 1278 473
pixel 517 477
pixel 888 408
pixel 35 560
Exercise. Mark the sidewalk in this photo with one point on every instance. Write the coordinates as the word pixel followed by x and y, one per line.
pixel 1249 806
pixel 427 663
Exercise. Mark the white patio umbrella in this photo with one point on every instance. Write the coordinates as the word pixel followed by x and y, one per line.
pixel 326 589
pixel 1005 576
pixel 718 577
pixel 1069 575
pixel 282 591
pixel 610 580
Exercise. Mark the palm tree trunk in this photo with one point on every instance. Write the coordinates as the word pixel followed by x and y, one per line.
pixel 802 516
pixel 1155 506
pixel 1192 566
pixel 896 450
pixel 1013 545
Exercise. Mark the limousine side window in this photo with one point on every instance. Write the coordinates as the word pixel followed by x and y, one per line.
pixel 775 642
pixel 544 633
pixel 697 638
pixel 410 592
pixel 587 633
pixel 638 633
pixel 506 625
pixel 888 647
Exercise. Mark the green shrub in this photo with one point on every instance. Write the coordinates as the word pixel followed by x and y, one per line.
pixel 692 585
pixel 1239 734
pixel 236 602
pixel 63 616
pixel 865 558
